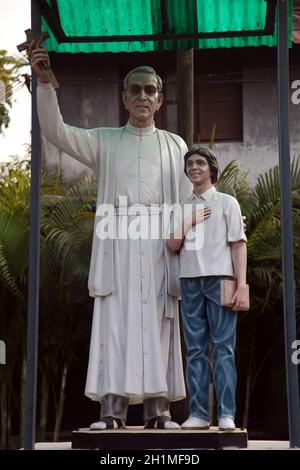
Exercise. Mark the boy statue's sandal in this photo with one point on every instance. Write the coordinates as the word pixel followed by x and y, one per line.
pixel 161 422
pixel 110 423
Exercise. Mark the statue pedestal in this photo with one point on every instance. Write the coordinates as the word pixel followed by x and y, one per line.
pixel 137 438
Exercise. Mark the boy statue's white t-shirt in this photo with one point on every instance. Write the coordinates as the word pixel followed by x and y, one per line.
pixel 206 247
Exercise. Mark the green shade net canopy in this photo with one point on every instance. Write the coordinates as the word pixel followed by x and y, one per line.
pixel 76 25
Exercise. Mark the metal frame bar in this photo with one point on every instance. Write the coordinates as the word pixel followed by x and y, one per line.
pixel 53 20
pixel 55 25
pixel 270 16
pixel 34 260
pixel 290 330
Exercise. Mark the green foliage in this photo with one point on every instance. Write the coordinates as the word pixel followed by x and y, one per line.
pixel 261 206
pixel 233 181
pixel 13 246
pixel 14 194
pixel 66 237
pixel 11 79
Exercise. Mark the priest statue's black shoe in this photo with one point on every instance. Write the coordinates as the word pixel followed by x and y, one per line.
pixel 161 422
pixel 107 422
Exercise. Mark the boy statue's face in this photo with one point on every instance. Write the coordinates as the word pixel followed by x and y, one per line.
pixel 197 169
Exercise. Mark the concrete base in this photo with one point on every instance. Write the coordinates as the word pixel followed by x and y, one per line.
pixel 137 438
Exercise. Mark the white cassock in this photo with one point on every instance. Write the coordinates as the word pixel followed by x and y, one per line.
pixel 135 340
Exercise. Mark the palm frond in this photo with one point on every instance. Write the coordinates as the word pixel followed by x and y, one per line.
pixel 13 253
pixel 233 181
pixel 267 188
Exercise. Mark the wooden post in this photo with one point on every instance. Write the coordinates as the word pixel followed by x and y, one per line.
pixel 185 128
pixel 185 95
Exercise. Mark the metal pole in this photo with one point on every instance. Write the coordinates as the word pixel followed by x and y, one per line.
pixel 34 261
pixel 286 223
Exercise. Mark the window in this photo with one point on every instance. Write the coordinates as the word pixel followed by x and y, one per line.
pixel 219 105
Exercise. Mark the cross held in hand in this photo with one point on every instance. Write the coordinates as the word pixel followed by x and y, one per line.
pixel 37 39
pixel 29 38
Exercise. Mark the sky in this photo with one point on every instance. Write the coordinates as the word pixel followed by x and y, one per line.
pixel 14 19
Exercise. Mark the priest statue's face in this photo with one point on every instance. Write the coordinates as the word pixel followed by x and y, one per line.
pixel 142 99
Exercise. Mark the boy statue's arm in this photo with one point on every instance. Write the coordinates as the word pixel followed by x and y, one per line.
pixel 176 239
pixel 239 261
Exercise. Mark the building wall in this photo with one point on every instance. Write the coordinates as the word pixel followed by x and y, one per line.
pixel 259 150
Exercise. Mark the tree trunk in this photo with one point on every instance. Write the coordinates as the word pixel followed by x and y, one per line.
pixel 185 95
pixel 22 399
pixel 5 416
pixel 250 374
pixel 43 407
pixel 3 411
pixel 247 400
pixel 61 403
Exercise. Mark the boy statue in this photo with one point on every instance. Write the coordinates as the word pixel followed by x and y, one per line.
pixel 219 253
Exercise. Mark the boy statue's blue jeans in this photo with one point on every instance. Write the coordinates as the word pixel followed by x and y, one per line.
pixel 205 320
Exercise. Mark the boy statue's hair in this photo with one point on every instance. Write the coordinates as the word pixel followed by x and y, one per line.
pixel 210 157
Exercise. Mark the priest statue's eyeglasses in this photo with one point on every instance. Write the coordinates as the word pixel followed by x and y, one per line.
pixel 135 90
